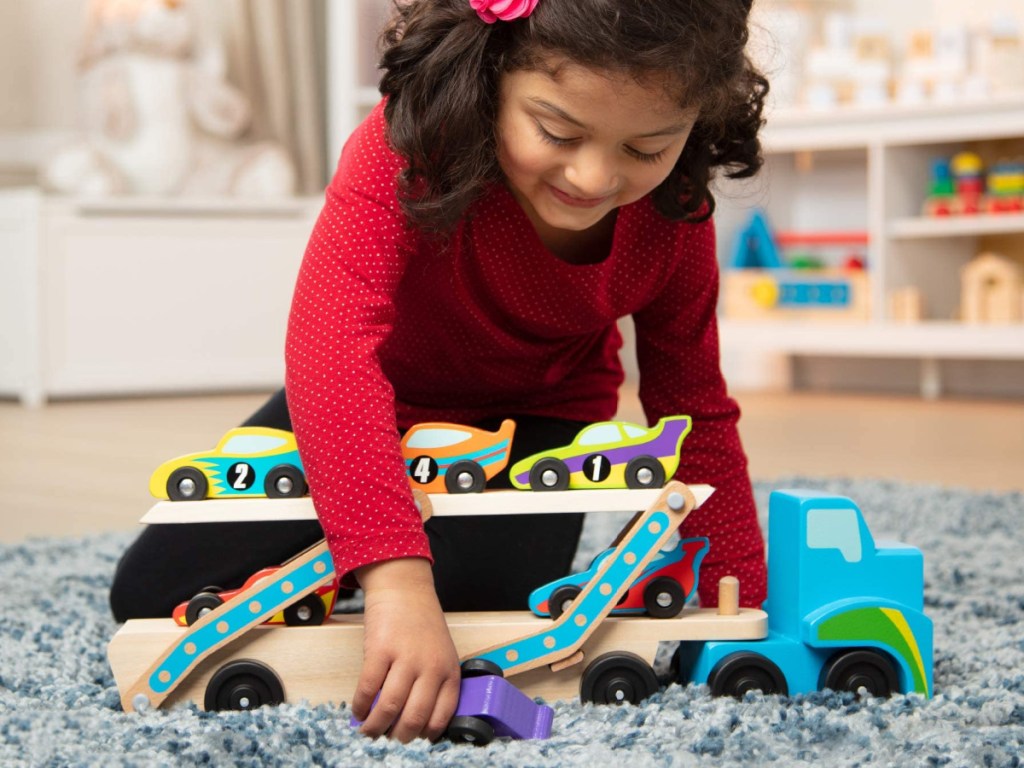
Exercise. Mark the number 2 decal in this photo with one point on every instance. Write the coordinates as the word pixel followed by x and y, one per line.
pixel 241 476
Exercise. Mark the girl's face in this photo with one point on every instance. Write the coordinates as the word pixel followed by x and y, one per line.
pixel 579 143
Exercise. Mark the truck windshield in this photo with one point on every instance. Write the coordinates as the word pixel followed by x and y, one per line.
pixel 834 529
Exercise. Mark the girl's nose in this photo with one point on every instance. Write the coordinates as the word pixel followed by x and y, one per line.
pixel 592 175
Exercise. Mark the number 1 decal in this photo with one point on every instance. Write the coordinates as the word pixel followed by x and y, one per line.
pixel 596 468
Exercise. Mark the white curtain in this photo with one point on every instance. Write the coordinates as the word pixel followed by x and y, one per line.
pixel 276 55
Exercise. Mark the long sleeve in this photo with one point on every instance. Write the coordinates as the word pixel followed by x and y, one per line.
pixel 342 405
pixel 678 357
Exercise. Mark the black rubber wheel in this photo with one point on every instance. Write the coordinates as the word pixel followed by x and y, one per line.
pixel 480 668
pixel 618 678
pixel 549 475
pixel 284 482
pixel 200 605
pixel 644 472
pixel 560 599
pixel 465 477
pixel 664 598
pixel 187 484
pixel 470 730
pixel 243 685
pixel 746 671
pixel 853 670
pixel 307 612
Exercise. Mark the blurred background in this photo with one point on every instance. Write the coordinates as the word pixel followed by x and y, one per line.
pixel 162 163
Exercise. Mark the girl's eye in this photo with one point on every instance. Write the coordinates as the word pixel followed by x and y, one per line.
pixel 550 138
pixel 559 141
pixel 645 157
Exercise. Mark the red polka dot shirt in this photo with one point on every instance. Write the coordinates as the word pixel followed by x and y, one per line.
pixel 389 329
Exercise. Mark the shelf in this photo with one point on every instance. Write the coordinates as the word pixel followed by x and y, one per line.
pixel 921 227
pixel 935 339
pixel 798 130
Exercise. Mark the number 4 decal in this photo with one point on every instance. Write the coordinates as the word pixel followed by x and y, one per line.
pixel 423 469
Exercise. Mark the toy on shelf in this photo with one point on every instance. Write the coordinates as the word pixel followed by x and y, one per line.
pixel 661 590
pixel 906 305
pixel 807 275
pixel 609 454
pixel 491 708
pixel 843 612
pixel 247 462
pixel 1005 183
pixel 992 290
pixel 453 458
pixel 314 608
pixel 962 186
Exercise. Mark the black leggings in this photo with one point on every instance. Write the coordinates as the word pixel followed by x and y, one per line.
pixel 480 563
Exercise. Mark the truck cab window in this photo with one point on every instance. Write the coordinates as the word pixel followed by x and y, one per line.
pixel 834 529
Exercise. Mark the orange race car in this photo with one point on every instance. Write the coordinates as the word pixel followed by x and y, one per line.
pixel 452 458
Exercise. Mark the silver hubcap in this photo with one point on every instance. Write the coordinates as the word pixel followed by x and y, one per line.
pixel 549 477
pixel 187 487
pixel 664 599
pixel 284 485
pixel 644 476
pixel 465 480
pixel 305 613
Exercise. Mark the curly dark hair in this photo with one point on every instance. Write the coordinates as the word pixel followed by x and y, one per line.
pixel 441 68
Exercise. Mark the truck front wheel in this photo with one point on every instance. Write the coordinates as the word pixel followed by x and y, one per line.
pixel 853 670
pixel 741 672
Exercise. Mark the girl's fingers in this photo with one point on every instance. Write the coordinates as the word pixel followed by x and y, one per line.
pixel 392 700
pixel 371 678
pixel 444 709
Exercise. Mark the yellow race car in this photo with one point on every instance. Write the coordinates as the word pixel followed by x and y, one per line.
pixel 247 462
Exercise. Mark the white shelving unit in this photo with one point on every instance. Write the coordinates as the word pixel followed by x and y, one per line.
pixel 869 169
pixel 135 296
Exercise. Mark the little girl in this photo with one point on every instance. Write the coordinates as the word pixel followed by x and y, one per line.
pixel 537 170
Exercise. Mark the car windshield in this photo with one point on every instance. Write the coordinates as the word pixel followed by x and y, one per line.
pixel 632 430
pixel 599 433
pixel 246 444
pixel 437 438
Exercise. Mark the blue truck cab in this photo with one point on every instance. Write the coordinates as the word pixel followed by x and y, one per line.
pixel 843 612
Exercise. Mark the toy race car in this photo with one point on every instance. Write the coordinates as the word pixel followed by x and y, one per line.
pixel 248 461
pixel 490 707
pixel 661 590
pixel 610 454
pixel 452 458
pixel 312 609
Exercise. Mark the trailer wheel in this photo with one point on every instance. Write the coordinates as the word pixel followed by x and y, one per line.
pixel 470 730
pixel 853 670
pixel 745 671
pixel 664 598
pixel 618 678
pixel 307 612
pixel 465 477
pixel 243 685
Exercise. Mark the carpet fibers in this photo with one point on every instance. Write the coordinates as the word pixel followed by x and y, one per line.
pixel 59 705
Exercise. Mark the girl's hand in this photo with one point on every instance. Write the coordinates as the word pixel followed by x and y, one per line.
pixel 408 654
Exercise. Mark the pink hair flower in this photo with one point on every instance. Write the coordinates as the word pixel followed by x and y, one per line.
pixel 504 10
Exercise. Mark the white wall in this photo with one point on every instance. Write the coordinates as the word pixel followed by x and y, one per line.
pixel 38 47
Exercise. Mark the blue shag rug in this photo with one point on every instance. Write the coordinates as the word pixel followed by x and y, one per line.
pixel 59 705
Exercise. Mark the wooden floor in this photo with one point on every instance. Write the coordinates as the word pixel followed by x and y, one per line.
pixel 83 467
